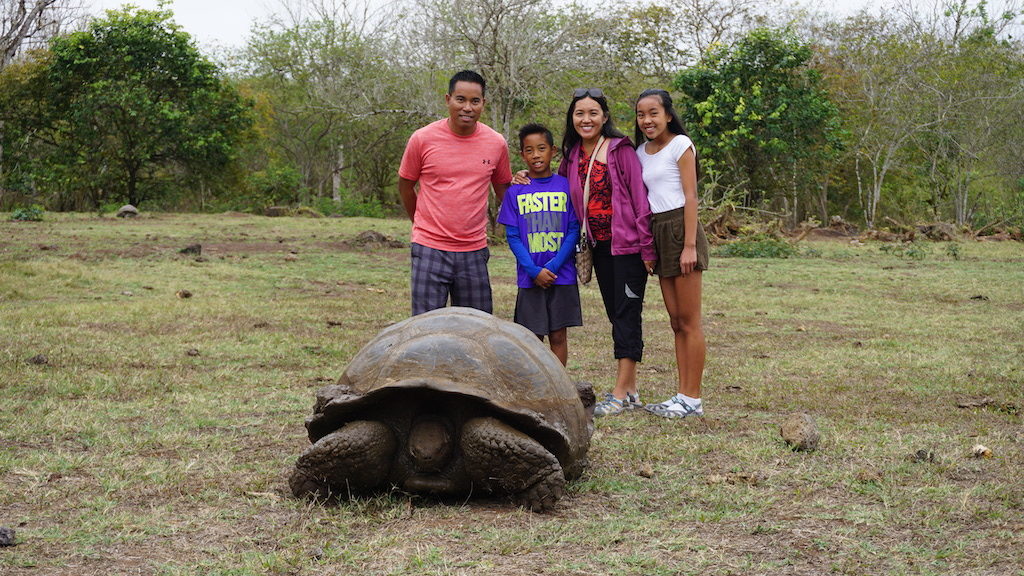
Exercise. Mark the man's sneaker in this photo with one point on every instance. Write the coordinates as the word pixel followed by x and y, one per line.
pixel 675 407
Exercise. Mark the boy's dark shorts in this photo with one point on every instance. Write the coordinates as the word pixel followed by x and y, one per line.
pixel 668 230
pixel 543 311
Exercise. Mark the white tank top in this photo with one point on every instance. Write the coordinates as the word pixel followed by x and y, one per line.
pixel 661 174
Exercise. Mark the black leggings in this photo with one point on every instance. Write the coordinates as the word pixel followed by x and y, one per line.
pixel 622 280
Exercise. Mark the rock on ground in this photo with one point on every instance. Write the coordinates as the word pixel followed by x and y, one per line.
pixel 800 432
pixel 6 536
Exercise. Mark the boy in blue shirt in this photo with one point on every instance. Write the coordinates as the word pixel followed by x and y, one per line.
pixel 542 229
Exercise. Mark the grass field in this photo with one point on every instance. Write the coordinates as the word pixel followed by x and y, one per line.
pixel 157 435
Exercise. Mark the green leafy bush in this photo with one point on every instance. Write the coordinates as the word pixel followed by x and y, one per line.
pixel 278 185
pixel 352 206
pixel 953 250
pixel 758 246
pixel 33 213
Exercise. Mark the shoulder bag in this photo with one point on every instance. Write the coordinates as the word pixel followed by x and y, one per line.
pixel 584 250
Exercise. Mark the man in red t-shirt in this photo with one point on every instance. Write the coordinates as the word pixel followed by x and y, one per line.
pixel 455 161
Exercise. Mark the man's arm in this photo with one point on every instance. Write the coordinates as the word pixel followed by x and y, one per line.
pixel 407 190
pixel 499 191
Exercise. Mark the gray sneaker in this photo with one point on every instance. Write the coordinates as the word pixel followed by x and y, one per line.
pixel 611 405
pixel 675 408
pixel 633 401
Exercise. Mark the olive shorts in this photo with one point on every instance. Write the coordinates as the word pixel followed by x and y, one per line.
pixel 668 230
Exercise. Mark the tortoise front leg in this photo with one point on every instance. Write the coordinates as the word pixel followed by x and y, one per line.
pixel 504 460
pixel 355 458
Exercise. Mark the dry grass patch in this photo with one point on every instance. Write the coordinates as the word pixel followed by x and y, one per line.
pixel 157 436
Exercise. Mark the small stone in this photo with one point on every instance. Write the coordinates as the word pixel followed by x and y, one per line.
pixel 980 451
pixel 127 293
pixel 38 360
pixel 645 471
pixel 127 211
pixel 7 536
pixel 192 352
pixel 923 455
pixel 800 432
pixel 183 294
pixel 196 249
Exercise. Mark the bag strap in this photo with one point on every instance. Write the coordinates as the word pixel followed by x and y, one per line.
pixel 586 188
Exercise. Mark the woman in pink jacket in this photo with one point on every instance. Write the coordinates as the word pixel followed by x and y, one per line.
pixel 618 224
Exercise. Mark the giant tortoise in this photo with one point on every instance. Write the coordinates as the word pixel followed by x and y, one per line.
pixel 454 402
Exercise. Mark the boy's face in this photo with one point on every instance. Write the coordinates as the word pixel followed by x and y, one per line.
pixel 537 154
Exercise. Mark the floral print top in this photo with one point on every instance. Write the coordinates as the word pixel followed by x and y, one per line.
pixel 599 209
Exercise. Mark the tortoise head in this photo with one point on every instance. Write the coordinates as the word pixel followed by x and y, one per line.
pixel 430 443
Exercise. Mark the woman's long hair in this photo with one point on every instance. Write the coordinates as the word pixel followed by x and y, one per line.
pixel 571 138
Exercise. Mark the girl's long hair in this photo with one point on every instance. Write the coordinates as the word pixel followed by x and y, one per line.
pixel 675 126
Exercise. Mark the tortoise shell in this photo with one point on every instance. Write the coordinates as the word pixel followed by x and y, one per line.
pixel 473 356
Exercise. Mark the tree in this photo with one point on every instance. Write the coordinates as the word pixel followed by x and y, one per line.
pixel 515 44
pixel 128 108
pixel 922 96
pixel 25 23
pixel 338 109
pixel 975 78
pixel 877 65
pixel 761 119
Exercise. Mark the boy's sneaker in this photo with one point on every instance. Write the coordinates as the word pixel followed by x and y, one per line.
pixel 675 407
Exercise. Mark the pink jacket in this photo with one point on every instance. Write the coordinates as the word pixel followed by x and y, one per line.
pixel 631 212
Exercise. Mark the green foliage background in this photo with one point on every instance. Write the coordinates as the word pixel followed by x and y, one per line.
pixel 890 115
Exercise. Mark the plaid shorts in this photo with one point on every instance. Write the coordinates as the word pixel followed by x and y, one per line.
pixel 438 274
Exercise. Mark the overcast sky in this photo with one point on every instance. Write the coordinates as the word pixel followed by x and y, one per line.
pixel 226 23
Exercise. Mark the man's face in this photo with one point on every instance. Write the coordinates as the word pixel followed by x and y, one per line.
pixel 465 104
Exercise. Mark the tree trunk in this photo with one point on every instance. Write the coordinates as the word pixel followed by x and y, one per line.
pixel 336 175
pixel 1 163
pixel 823 201
pixel 133 188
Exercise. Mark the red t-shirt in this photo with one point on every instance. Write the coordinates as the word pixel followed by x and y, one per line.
pixel 454 173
